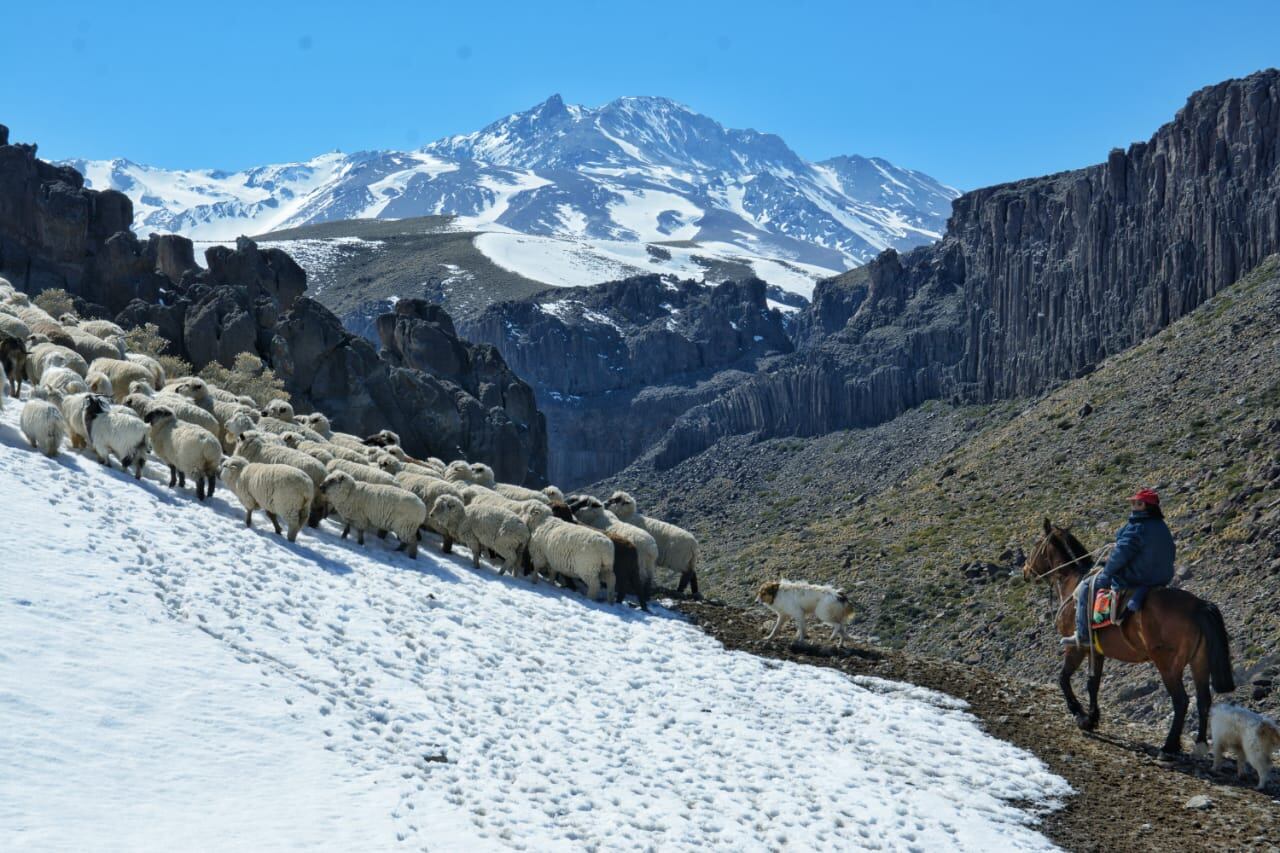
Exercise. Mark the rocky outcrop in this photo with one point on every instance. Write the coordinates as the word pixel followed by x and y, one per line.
pixel 444 397
pixel 614 365
pixel 1035 281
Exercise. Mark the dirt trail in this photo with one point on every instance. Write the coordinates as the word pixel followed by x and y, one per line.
pixel 1127 799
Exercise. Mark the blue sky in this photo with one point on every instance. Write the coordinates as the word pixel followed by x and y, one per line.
pixel 973 93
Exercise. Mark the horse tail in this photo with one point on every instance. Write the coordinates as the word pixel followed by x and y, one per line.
pixel 1209 620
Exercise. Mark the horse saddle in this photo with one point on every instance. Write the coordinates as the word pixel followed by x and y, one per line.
pixel 1108 605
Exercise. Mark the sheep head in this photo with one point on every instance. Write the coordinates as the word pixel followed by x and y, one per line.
pixel 622 505
pixel 446 511
pixel 158 416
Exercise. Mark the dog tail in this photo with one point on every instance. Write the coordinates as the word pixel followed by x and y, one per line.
pixel 1209 620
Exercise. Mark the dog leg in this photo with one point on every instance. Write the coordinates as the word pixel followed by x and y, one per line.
pixel 776 626
pixel 800 638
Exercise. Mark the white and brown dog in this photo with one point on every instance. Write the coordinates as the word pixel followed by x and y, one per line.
pixel 802 601
pixel 1249 735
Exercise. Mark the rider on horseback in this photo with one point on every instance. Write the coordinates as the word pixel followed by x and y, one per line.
pixel 1142 558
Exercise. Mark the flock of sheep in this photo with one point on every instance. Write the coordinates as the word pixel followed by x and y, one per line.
pixel 88 389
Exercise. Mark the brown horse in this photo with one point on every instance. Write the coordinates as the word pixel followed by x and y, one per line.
pixel 1173 629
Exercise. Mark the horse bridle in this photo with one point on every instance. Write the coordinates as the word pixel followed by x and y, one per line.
pixel 1035 555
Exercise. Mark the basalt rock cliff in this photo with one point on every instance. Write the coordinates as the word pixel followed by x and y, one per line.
pixel 443 395
pixel 614 365
pixel 1034 282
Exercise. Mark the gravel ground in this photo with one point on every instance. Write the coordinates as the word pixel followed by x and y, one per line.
pixel 1128 799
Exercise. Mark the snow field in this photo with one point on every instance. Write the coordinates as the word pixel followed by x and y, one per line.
pixel 171 679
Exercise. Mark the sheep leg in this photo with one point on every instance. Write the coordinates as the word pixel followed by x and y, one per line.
pixel 173 475
pixel 446 546
pixel 182 479
pixel 475 553
pixel 200 488
pixel 275 521
pixel 776 626
pixel 593 588
pixel 689 578
pixel 213 478
pixel 382 534
pixel 346 529
pixel 413 546
pixel 360 536
pixel 248 517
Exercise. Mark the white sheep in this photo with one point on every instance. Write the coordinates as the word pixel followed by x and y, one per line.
pixel 143 388
pixel 371 506
pixel 677 547
pixel 182 408
pixel 266 423
pixel 122 372
pixel 14 327
pixel 342 451
pixel 260 447
pixel 385 461
pixel 281 491
pixel 461 471
pixel 480 495
pixel 235 426
pixel 91 346
pixel 346 440
pixel 278 409
pixel 363 473
pixel 118 431
pixel 99 384
pixel 39 355
pixel 520 493
pixel 73 409
pixel 196 390
pixel 222 395
pixel 43 424
pixel 571 549
pixel 186 449
pixel 554 494
pixel 153 367
pixel 102 328
pixel 318 450
pixel 501 531
pixel 315 421
pixel 427 489
pixel 448 517
pixel 62 380
pixel 591 511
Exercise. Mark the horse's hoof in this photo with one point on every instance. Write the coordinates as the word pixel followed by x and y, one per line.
pixel 1082 720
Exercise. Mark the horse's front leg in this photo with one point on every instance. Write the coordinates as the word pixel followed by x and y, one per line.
pixel 1173 683
pixel 1070 663
pixel 1095 681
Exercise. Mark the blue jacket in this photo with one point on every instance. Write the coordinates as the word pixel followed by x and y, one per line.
pixel 1143 555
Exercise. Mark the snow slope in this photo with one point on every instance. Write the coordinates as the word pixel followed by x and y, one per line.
pixel 169 679
pixel 634 170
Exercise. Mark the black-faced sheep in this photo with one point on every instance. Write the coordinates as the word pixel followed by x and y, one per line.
pixel 258 447
pixel 571 549
pixel 281 491
pixel 591 511
pixel 371 506
pixel 43 424
pixel 428 489
pixel 115 431
pixel 315 421
pixel 382 438
pixel 186 449
pixel 677 547
pixel 281 410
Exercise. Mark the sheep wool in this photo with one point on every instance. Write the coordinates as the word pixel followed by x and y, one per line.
pixel 428 489
pixel 116 431
pixel 373 506
pixel 501 531
pixel 121 373
pixel 677 547
pixel 520 493
pixel 360 471
pixel 281 491
pixel 448 517
pixel 573 550
pixel 592 512
pixel 43 425
pixel 186 449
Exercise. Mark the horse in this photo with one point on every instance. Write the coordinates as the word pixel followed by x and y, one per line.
pixel 1173 629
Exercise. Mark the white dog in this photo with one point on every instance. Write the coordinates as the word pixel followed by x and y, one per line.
pixel 802 601
pixel 1251 736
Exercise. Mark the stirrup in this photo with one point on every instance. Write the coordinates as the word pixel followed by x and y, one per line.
pixel 1072 642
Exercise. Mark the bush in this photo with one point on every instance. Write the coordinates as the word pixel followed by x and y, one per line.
pixel 248 376
pixel 56 302
pixel 146 340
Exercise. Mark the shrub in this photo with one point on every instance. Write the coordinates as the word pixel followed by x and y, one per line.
pixel 248 376
pixel 146 340
pixel 56 302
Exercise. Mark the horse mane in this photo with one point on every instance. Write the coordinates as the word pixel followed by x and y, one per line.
pixel 1077 553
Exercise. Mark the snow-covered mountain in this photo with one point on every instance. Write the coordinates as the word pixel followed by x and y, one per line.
pixel 635 170
pixel 171 679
